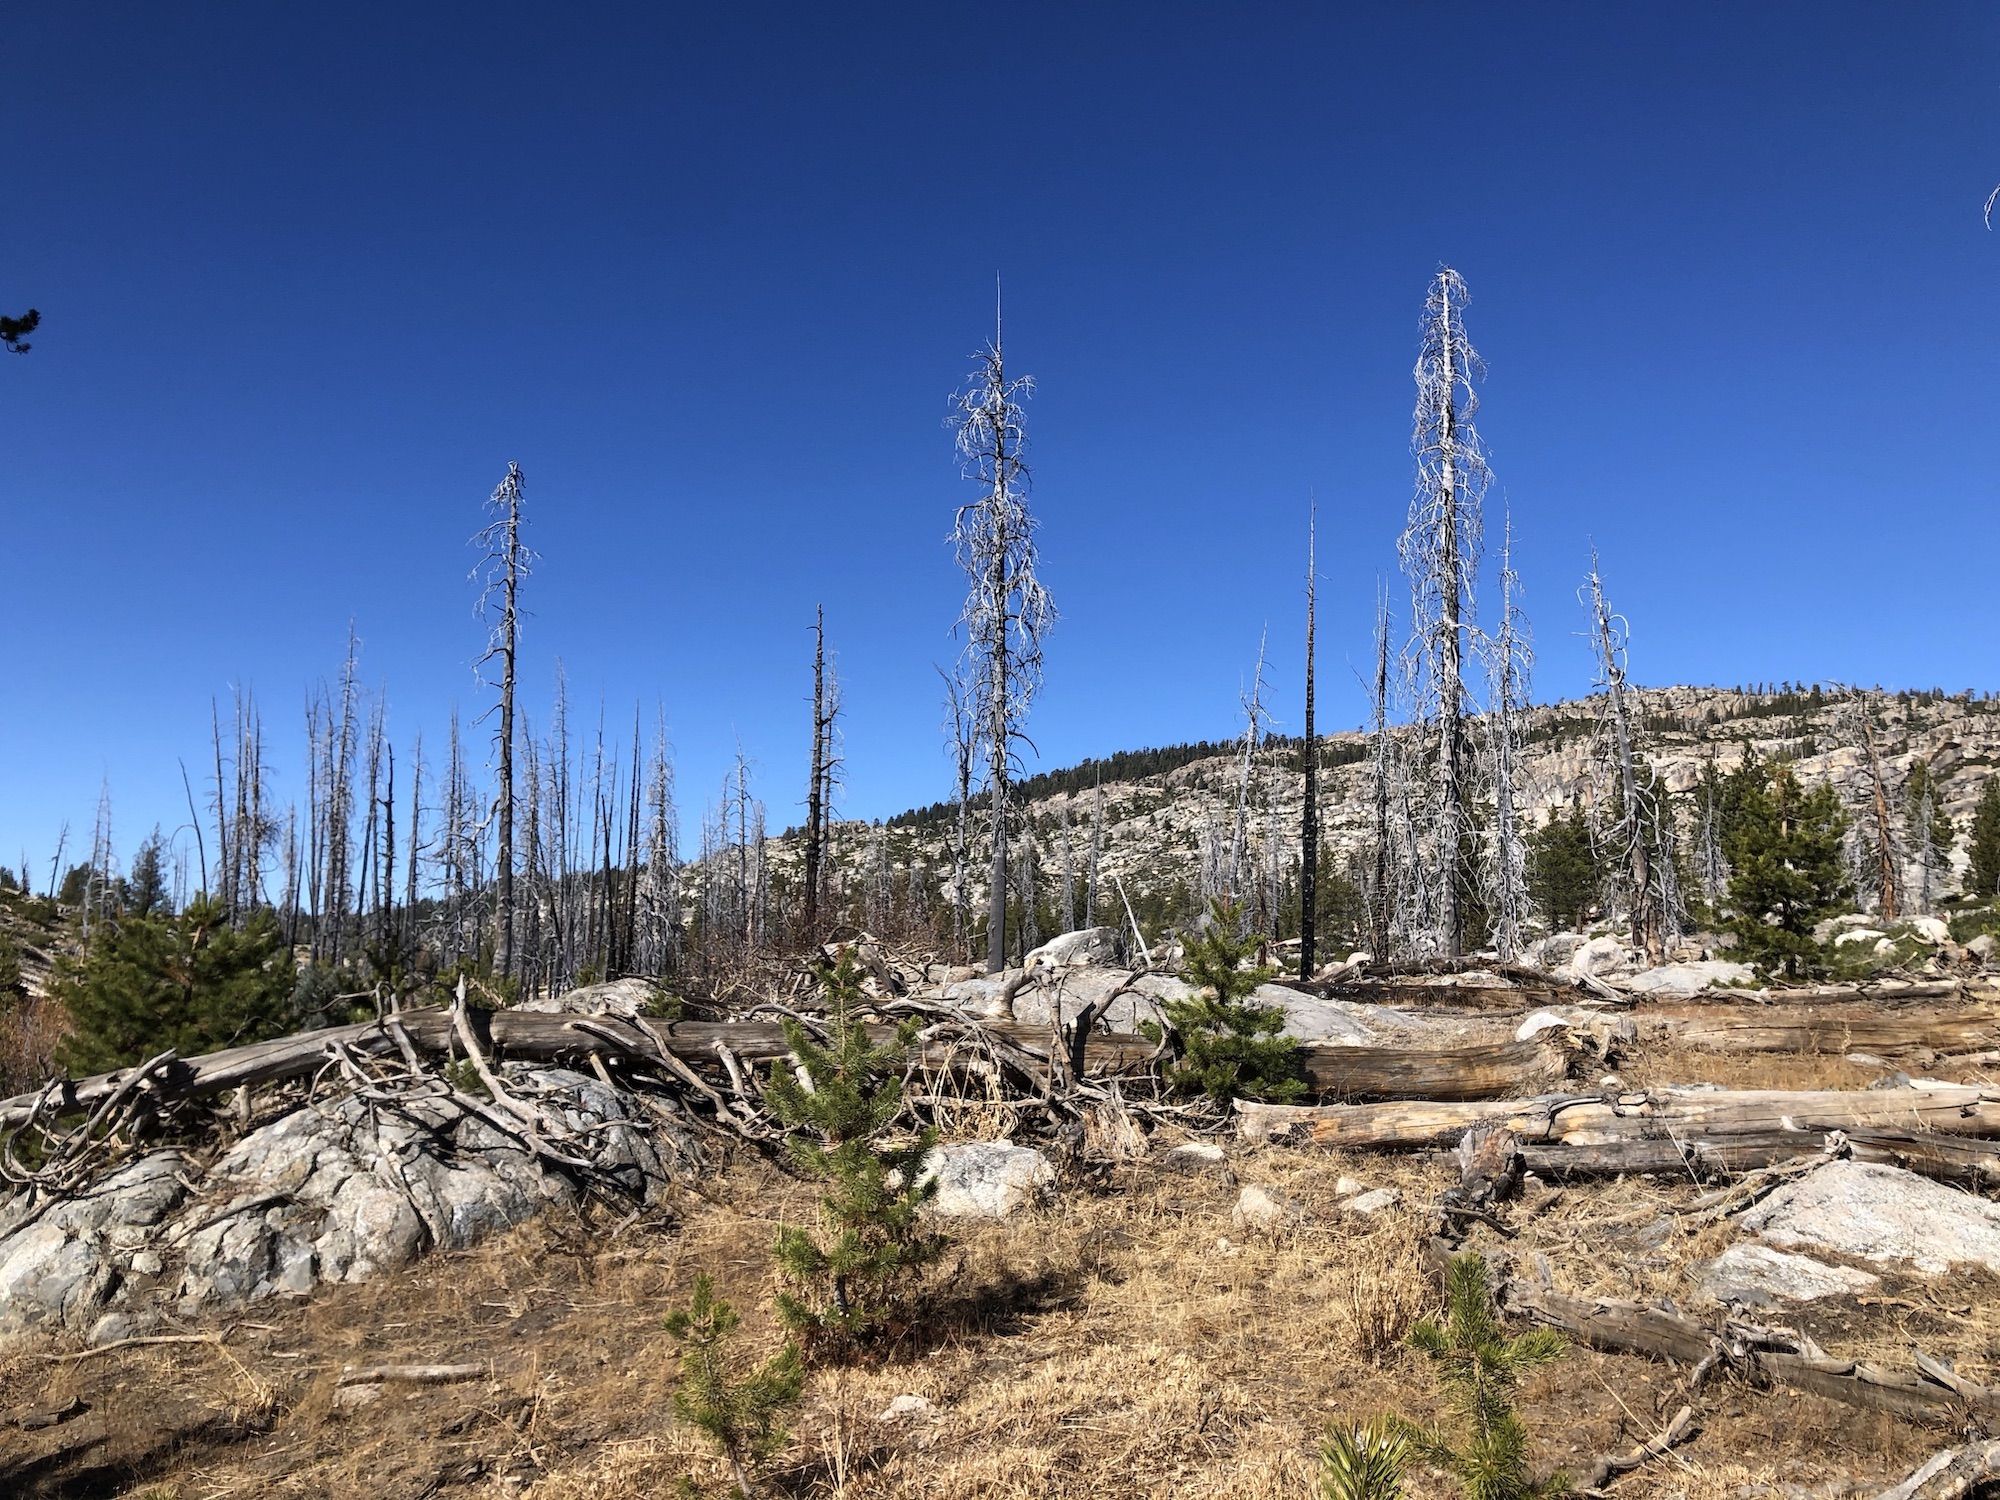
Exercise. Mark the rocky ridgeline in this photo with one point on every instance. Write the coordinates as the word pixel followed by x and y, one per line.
pixel 1155 826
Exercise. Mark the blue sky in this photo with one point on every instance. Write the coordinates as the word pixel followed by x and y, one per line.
pixel 311 276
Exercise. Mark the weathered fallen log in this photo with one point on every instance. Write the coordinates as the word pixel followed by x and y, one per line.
pixel 1454 1073
pixel 1796 1029
pixel 1977 988
pixel 413 1374
pixel 1966 1161
pixel 1619 1327
pixel 1950 1475
pixel 1679 1429
pixel 1611 1124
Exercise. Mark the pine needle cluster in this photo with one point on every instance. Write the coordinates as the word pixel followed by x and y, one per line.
pixel 1224 1046
pixel 742 1414
pixel 839 1099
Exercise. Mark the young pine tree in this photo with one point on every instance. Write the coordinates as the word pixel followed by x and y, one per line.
pixel 1983 879
pixel 1224 1046
pixel 847 1278
pixel 743 1414
pixel 1364 1461
pixel 1786 872
pixel 1481 1369
pixel 191 982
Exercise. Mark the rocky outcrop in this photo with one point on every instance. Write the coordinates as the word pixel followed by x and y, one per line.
pixel 61 1263
pixel 1754 1275
pixel 1882 1214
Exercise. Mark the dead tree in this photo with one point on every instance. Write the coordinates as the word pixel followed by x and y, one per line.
pixel 825 764
pixel 1509 664
pixel 1309 812
pixel 1254 720
pixel 1069 920
pixel 1096 849
pixel 505 562
pixel 1439 548
pixel 659 893
pixel 1886 876
pixel 1007 611
pixel 1381 759
pixel 1631 835
pixel 959 725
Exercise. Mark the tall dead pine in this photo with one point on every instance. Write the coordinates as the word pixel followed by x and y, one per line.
pixel 1439 548
pixel 505 562
pixel 1309 813
pixel 1007 611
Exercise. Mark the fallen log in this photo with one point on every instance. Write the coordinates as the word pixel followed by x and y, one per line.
pixel 1627 1122
pixel 1619 1327
pixel 412 1374
pixel 1872 991
pixel 1950 1475
pixel 1964 1161
pixel 1502 1069
pixel 1679 1429
pixel 1798 1029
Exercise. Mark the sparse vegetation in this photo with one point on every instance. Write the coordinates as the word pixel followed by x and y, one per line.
pixel 845 1280
pixel 1224 1046
pixel 742 1413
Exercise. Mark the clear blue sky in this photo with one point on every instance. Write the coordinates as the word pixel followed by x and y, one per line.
pixel 311 276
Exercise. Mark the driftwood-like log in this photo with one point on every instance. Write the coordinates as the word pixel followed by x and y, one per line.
pixel 1786 1028
pixel 1980 989
pixel 1618 1327
pixel 1452 1073
pixel 412 1374
pixel 1635 1131
pixel 1965 1160
pixel 1950 1475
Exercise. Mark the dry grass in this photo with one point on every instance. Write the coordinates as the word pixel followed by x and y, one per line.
pixel 1125 1344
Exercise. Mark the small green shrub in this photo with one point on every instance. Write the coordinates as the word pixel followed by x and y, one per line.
pixel 742 1414
pixel 1225 1047
pixel 1364 1461
pixel 846 1279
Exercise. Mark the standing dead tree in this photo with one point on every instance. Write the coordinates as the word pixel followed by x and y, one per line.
pixel 1510 661
pixel 1633 831
pixel 1439 549
pixel 1255 719
pixel 824 771
pixel 1381 754
pixel 505 562
pixel 1886 874
pixel 1309 811
pixel 959 726
pixel 1007 611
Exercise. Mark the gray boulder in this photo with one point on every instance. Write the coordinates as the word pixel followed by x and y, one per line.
pixel 1679 981
pixel 343 1191
pixel 1883 1214
pixel 62 1266
pixel 624 998
pixel 987 1180
pixel 1754 1275
pixel 1602 956
pixel 1102 946
pixel 1258 1210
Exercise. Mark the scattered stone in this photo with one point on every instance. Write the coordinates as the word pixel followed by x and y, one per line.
pixel 1885 947
pixel 109 1329
pixel 1554 951
pixel 1347 1187
pixel 1197 1157
pixel 1984 947
pixel 1880 1213
pixel 348 1397
pixel 628 999
pixel 987 1180
pixel 1933 930
pixel 147 1263
pixel 1087 945
pixel 1375 1201
pixel 1859 935
pixel 1260 1211
pixel 906 1406
pixel 1754 1275
pixel 1539 1022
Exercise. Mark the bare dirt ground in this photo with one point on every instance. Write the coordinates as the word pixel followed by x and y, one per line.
pixel 1127 1341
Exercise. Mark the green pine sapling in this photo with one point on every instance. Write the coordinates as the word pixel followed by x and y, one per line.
pixel 1481 1369
pixel 1364 1461
pixel 1224 1046
pixel 743 1414
pixel 839 1099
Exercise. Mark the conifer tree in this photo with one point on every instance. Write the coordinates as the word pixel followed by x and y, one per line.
pixel 1983 879
pixel 846 1279
pixel 1784 849
pixel 1481 1369
pixel 1562 870
pixel 743 1414
pixel 1226 1047
pixel 191 982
